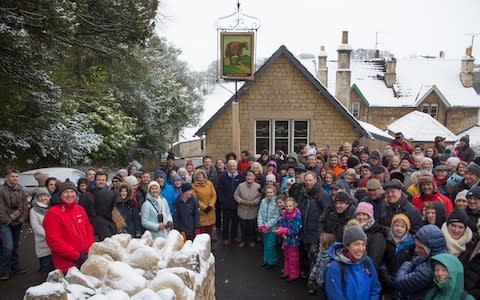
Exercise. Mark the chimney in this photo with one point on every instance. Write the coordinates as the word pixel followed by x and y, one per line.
pixel 344 74
pixel 322 72
pixel 377 54
pixel 442 55
pixel 390 71
pixel 466 72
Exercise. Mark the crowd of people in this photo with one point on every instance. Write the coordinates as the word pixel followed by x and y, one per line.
pixel 395 223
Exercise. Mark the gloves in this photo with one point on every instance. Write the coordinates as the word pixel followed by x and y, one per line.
pixel 197 231
pixel 263 228
pixel 281 231
pixel 15 224
pixel 208 209
pixel 15 215
pixel 83 257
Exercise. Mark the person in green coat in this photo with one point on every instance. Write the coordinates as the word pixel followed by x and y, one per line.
pixel 448 278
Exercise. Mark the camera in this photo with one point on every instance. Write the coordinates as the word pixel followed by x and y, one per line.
pixel 290 181
pixel 160 218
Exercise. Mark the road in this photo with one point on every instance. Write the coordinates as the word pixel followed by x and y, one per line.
pixel 239 274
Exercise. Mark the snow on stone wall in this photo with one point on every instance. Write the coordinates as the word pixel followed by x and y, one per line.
pixel 124 268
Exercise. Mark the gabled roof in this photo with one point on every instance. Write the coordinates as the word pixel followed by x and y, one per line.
pixel 427 90
pixel 421 127
pixel 284 51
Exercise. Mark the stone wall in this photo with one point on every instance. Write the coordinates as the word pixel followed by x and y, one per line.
pixel 433 98
pixel 382 116
pixel 460 119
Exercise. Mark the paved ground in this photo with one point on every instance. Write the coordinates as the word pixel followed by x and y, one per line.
pixel 239 274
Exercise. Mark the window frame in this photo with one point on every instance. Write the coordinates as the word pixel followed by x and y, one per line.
pixel 357 105
pixel 272 134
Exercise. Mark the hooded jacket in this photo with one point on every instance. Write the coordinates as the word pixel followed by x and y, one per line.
pixel 415 277
pixel 453 287
pixel 440 214
pixel 359 282
pixel 311 204
pixel 419 201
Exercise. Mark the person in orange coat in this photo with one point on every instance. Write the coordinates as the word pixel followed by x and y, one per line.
pixel 204 190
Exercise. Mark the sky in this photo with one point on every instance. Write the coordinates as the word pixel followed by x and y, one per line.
pixel 405 27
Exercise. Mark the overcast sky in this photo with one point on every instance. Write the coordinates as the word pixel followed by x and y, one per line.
pixel 406 27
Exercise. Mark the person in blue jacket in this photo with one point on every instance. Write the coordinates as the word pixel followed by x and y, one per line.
pixel 351 274
pixel 415 277
pixel 166 190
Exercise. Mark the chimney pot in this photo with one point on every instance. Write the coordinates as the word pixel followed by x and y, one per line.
pixel 322 48
pixel 377 54
pixel 468 51
pixel 442 55
pixel 344 37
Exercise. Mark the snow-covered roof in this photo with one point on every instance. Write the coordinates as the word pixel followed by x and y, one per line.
pixel 376 132
pixel 474 134
pixel 421 127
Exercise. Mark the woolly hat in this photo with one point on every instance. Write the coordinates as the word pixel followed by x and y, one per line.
pixel 366 208
pixel 474 169
pixel 153 183
pixel 42 192
pixel 388 152
pixel 397 175
pixel 293 155
pixel 352 161
pixel 82 180
pixel 453 180
pixel 403 218
pixel 461 195
pixel 67 185
pixel 118 177
pixel 353 233
pixel 458 215
pixel 176 177
pixel 131 180
pixel 272 163
pixel 474 192
pixel 186 187
pixel 344 197
pixel 159 173
pixel 271 177
pixel 137 174
pixel 466 139
pixel 405 156
pixel 373 184
pixel 375 154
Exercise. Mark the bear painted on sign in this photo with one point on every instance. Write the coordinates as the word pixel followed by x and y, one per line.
pixel 235 49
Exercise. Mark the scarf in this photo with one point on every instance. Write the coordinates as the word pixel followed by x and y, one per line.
pixel 456 247
pixel 289 215
pixel 40 207
pixel 367 224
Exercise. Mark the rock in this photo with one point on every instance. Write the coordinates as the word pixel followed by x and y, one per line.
pixel 158 243
pixel 146 294
pixel 202 244
pixel 166 294
pixel 165 279
pixel 96 266
pixel 79 292
pixel 117 295
pixel 185 259
pixel 74 276
pixel 136 244
pixel 99 297
pixel 123 239
pixel 145 258
pixel 120 276
pixel 188 277
pixel 148 238
pixel 108 246
pixel 46 291
pixel 56 276
pixel 174 243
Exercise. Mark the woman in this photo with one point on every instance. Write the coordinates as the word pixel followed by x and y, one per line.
pixel 448 278
pixel 183 173
pixel 351 274
pixel 440 179
pixel 328 181
pixel 426 164
pixel 428 192
pixel 127 208
pixel 258 171
pixel 351 178
pixel 264 158
pixel 376 243
pixel 156 215
pixel 432 153
pixel 459 237
pixel 248 197
pixel 206 195
pixel 461 168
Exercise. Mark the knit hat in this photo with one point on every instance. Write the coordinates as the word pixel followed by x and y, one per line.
pixel 366 208
pixel 397 175
pixel 466 139
pixel 388 152
pixel 159 173
pixel 375 154
pixel 403 218
pixel 353 233
pixel 42 192
pixel 453 180
pixel 461 195
pixel 176 177
pixel 186 187
pixel 272 163
pixel 405 156
pixel 137 174
pixel 373 184
pixel 67 185
pixel 474 169
pixel 474 192
pixel 344 197
pixel 118 177
pixel 270 177
pixel 153 183
pixel 458 215
pixel 352 161
pixel 131 180
pixel 82 180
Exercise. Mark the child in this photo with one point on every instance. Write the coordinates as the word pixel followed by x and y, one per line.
pixel 281 202
pixel 187 213
pixel 268 216
pixel 317 275
pixel 290 226
pixel 285 178
pixel 400 248
pixel 37 213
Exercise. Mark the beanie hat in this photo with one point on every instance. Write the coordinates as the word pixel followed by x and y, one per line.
pixel 159 174
pixel 397 175
pixel 176 177
pixel 137 174
pixel 82 180
pixel 271 177
pixel 366 208
pixel 474 192
pixel 344 197
pixel 67 185
pixel 388 152
pixel 118 177
pixel 153 183
pixel 186 187
pixel 378 170
pixel 474 168
pixel 375 154
pixel 458 215
pixel 131 180
pixel 353 233
pixel 453 180
pixel 272 163
pixel 352 161
pixel 466 139
pixel 42 192
pixel 461 195
pixel 403 218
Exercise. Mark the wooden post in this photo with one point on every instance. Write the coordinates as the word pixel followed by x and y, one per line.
pixel 236 128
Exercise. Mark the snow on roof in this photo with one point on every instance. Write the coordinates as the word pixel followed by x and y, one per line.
pixel 419 126
pixel 474 134
pixel 375 130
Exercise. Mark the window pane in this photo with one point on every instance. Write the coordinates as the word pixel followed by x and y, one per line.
pixel 433 111
pixel 300 141
pixel 261 144
pixel 262 129
pixel 300 129
pixel 281 129
pixel 356 109
pixel 281 144
pixel 425 108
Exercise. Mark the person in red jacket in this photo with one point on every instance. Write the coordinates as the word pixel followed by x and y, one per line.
pixel 428 192
pixel 68 231
pixel 402 143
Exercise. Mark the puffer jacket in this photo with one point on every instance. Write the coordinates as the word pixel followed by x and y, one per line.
pixel 420 200
pixel 415 277
pixel 268 214
pixel 360 280
pixel 293 222
pixel 151 208
pixel 206 196
pixel 311 204
pixel 13 204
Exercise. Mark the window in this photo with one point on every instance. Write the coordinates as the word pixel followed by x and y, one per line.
pixel 426 108
pixel 280 135
pixel 431 109
pixel 356 110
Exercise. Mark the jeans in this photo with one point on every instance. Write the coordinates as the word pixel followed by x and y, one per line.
pixel 46 264
pixel 11 237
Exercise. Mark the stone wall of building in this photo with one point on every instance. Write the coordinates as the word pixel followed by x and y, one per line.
pixel 218 139
pixel 460 119
pixel 382 116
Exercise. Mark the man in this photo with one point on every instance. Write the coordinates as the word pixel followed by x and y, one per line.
pixel 397 203
pixel 402 143
pixel 13 213
pixel 207 167
pixel 227 184
pixel 90 175
pixel 98 204
pixel 145 180
pixel 375 197
pixel 347 149
pixel 170 164
pixel 406 170
pixel 312 164
pixel 68 231
pixel 439 144
pixel 473 208
pixel 166 190
pixel 464 151
pixel 471 179
pixel 375 159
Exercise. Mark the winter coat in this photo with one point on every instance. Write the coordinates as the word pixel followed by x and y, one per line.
pixel 359 280
pixel 473 218
pixel 311 204
pixel 453 287
pixel 168 193
pixel 376 244
pixel 419 201
pixel 394 256
pixel 268 214
pixel 402 206
pixel 472 275
pixel 248 197
pixel 187 214
pixel 98 204
pixel 129 212
pixel 151 208
pixel 206 196
pixel 37 214
pixel 414 278
pixel 13 204
pixel 466 154
pixel 335 222
pixel 68 233
pixel 226 187
pixel 293 222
